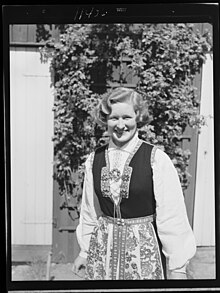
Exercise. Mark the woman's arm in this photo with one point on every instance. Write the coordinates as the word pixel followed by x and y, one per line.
pixel 174 230
pixel 89 214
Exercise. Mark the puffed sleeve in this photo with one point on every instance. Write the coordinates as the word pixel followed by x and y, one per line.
pixel 174 230
pixel 89 211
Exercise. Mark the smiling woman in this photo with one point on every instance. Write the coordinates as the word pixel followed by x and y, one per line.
pixel 133 222
pixel 124 112
pixel 122 95
pixel 122 123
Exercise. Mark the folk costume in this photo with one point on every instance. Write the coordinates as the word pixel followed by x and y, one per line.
pixel 133 223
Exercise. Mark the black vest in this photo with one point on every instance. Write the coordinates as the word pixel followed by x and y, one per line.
pixel 141 201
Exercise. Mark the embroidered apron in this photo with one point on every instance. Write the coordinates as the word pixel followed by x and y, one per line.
pixel 125 245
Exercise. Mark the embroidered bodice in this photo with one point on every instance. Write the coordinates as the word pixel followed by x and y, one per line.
pixel 130 193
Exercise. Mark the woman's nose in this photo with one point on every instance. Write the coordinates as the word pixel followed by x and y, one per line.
pixel 120 124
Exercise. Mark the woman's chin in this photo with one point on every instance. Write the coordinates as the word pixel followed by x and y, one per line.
pixel 120 140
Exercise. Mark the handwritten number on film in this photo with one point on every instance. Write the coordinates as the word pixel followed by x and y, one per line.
pixel 89 13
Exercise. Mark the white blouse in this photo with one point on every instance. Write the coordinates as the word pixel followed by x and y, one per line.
pixel 174 230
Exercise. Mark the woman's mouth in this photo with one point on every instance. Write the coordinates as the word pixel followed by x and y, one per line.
pixel 119 132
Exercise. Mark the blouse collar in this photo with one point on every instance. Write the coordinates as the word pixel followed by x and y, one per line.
pixel 128 147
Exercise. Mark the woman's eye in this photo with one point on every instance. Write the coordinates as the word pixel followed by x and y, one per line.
pixel 113 118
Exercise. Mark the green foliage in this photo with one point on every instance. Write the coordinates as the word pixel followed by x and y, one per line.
pixel 167 62
pixel 164 58
pixel 74 101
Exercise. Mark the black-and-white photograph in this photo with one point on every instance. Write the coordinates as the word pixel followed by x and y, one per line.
pixel 112 150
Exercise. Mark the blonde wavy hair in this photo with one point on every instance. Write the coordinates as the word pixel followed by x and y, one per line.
pixel 122 95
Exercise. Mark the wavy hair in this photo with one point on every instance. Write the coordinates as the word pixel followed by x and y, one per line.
pixel 122 95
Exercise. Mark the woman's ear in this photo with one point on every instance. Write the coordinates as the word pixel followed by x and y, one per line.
pixel 137 112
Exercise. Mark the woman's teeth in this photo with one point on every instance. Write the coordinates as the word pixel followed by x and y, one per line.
pixel 120 131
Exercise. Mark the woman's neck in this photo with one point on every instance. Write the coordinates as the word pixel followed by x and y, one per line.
pixel 124 145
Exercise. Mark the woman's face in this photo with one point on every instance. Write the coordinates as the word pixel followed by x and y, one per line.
pixel 122 123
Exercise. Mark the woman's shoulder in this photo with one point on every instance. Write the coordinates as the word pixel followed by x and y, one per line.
pixel 90 157
pixel 154 147
pixel 158 153
pixel 101 148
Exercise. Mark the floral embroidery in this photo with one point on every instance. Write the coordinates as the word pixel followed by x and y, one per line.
pixel 149 253
pixel 131 256
pixel 128 276
pixel 105 187
pixel 95 269
pixel 106 175
pixel 131 243
pixel 141 255
pixel 134 265
pixel 153 152
pixel 126 177
pixel 115 174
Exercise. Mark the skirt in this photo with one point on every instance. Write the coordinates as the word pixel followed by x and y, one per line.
pixel 125 249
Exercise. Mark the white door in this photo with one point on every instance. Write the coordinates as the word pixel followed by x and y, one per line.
pixel 204 213
pixel 31 120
